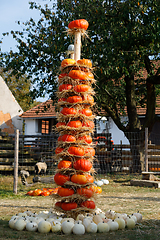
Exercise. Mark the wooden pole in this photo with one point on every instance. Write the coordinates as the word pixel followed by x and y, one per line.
pixel 77 45
pixel 146 150
pixel 72 55
pixel 16 161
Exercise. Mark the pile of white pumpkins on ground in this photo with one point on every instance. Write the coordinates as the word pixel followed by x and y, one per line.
pixel 47 221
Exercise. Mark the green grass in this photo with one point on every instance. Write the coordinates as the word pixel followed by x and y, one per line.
pixel 118 195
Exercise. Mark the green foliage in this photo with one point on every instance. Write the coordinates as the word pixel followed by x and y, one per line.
pixel 20 89
pixel 123 36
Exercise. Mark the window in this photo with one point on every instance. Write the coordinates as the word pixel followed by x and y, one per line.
pixel 45 127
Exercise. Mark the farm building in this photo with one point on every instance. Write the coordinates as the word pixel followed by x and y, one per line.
pixel 9 110
pixel 42 120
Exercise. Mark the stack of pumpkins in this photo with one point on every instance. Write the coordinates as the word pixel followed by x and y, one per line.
pixel 75 152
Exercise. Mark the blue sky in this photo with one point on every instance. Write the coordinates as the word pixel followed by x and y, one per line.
pixel 12 11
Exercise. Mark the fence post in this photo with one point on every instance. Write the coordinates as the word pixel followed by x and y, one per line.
pixel 146 150
pixel 16 150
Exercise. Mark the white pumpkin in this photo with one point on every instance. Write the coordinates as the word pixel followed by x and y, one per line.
pixel 103 227
pixel 12 222
pixel 34 214
pixel 116 215
pixel 15 216
pixel 78 221
pixel 20 224
pixel 113 225
pixel 66 219
pixel 105 181
pixel 86 221
pixel 97 219
pixel 134 217
pixel 99 183
pixel 80 217
pixel 130 223
pixel 106 220
pixel 110 214
pixel 78 228
pixel 138 216
pixel 31 226
pixel 22 214
pixel 58 219
pixel 56 227
pixel 98 211
pixel 92 228
pixel 44 226
pixel 28 212
pixel 38 219
pixel 44 215
pixel 51 220
pixel 102 215
pixel 120 222
pixel 67 227
pixel 31 219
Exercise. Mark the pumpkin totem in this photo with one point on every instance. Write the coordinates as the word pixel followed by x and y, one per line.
pixel 75 125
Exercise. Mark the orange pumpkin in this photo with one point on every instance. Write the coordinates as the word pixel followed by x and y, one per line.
pixel 88 123
pixel 96 189
pixel 58 204
pixel 68 206
pixel 59 150
pixel 90 179
pixel 45 193
pixel 76 151
pixel 30 193
pixel 86 111
pixel 89 75
pixel 88 204
pixel 62 100
pixel 64 192
pixel 81 88
pixel 61 179
pixel 36 192
pixel 89 152
pixel 84 62
pixel 67 138
pixel 64 164
pixel 68 61
pixel 88 98
pixel 68 111
pixel 74 99
pixel 79 23
pixel 65 86
pixel 83 165
pixel 77 74
pixel 60 124
pixel 86 192
pixel 79 179
pixel 86 139
pixel 74 124
pixel 62 75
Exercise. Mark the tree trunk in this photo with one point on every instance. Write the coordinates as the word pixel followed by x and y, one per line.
pixel 137 140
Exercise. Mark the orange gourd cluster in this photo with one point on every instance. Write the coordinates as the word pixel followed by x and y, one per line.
pixel 75 152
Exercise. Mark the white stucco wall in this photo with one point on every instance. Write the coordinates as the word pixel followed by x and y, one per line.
pixel 31 126
pixel 117 135
pixel 9 110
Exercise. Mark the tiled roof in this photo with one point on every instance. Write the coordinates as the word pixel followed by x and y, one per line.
pixel 43 110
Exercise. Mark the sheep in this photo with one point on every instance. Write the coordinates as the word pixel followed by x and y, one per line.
pixel 25 173
pixel 40 168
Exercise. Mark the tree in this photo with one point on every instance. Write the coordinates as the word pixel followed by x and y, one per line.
pixel 20 90
pixel 123 38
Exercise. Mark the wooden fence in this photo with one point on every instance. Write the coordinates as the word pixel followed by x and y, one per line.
pixel 41 148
